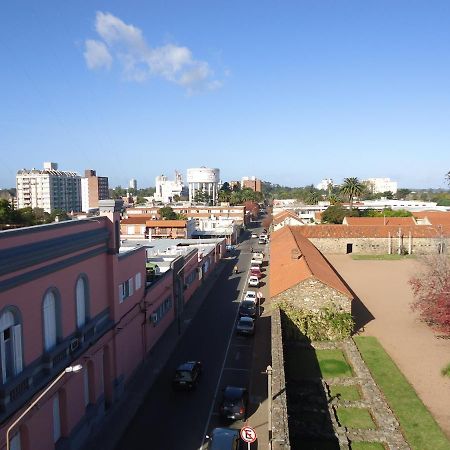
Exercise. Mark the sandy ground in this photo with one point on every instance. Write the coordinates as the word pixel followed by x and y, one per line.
pixel 382 287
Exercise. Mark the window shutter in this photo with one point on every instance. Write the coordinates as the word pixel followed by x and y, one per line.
pixel 2 356
pixel 81 303
pixel 138 280
pixel 49 321
pixel 17 345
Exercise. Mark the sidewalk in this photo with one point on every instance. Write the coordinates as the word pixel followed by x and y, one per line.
pixel 117 419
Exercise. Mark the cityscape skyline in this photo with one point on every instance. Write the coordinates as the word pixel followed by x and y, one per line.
pixel 291 93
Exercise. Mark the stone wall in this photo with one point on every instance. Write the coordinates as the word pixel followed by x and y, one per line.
pixel 280 426
pixel 313 295
pixel 380 245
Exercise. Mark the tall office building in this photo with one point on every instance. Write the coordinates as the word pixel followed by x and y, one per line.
pixel 48 189
pixel 133 184
pixel 93 189
pixel 251 183
pixel 380 185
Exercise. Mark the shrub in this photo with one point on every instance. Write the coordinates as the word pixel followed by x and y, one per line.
pixel 327 324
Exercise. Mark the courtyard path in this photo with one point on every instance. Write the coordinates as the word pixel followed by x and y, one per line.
pixel 382 286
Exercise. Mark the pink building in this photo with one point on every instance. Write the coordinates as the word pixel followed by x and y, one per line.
pixel 68 296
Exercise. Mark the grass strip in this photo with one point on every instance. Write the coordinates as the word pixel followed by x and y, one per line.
pixel 333 364
pixel 345 393
pixel 367 446
pixel 384 257
pixel 357 418
pixel 418 425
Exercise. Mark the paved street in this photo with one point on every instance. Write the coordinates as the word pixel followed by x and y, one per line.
pixel 171 420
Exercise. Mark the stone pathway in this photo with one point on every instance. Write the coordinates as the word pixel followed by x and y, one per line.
pixel 388 429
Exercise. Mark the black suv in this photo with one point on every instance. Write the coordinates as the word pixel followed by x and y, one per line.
pixel 187 375
pixel 247 308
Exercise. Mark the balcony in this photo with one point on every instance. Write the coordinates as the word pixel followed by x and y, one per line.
pixel 17 392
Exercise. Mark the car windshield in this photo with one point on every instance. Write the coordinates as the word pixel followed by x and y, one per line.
pixel 248 304
pixel 183 375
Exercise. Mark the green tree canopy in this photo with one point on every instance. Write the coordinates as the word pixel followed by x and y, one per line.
pixel 351 188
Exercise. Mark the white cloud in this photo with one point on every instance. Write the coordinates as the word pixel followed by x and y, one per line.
pixel 97 55
pixel 126 44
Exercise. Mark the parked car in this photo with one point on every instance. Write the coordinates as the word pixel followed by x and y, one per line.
pixel 258 255
pixel 247 308
pixel 234 403
pixel 245 325
pixel 262 241
pixel 187 375
pixel 253 281
pixel 225 439
pixel 255 270
pixel 250 295
pixel 254 235
pixel 256 262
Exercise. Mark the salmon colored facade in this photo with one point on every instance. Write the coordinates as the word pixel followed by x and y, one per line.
pixel 68 296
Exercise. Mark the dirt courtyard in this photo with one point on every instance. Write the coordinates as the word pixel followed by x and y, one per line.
pixel 382 286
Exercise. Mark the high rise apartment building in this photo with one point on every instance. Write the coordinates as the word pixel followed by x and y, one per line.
pixel 251 183
pixel 48 189
pixel 380 185
pixel 93 189
pixel 166 190
pixel 132 184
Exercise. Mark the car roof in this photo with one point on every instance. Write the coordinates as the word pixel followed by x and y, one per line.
pixel 246 319
pixel 250 293
pixel 233 392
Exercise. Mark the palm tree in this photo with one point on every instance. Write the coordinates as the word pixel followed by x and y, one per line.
pixel 313 198
pixel 352 187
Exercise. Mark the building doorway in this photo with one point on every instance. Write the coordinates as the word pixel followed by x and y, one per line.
pixel 349 248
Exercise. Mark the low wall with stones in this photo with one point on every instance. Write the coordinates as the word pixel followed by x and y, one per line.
pixel 313 295
pixel 280 426
pixel 380 246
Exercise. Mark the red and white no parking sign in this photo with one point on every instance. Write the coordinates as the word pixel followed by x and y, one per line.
pixel 248 434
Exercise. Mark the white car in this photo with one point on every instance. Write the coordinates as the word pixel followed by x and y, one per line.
pixel 250 295
pixel 253 280
pixel 254 235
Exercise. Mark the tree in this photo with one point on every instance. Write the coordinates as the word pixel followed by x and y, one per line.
pixel 352 187
pixel 431 289
pixel 167 213
pixel 447 177
pixel 6 212
pixel 314 197
pixel 402 193
pixel 334 214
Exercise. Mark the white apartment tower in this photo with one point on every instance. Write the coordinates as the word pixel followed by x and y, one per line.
pixel 380 185
pixel 167 189
pixel 204 180
pixel 48 189
pixel 133 184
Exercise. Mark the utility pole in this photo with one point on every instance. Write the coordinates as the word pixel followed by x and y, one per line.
pixel 269 396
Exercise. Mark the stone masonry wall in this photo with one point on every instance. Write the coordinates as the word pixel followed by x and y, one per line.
pixel 313 295
pixel 379 245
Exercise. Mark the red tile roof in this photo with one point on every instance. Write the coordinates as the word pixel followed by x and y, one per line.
pixel 293 259
pixel 434 217
pixel 369 231
pixel 135 220
pixel 284 215
pixel 396 221
pixel 166 223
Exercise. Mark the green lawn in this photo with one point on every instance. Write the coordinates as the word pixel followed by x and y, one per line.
pixel 350 393
pixel 383 257
pixel 367 446
pixel 333 364
pixel 358 418
pixel 419 427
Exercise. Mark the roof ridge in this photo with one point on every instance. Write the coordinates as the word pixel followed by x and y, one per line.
pixel 302 254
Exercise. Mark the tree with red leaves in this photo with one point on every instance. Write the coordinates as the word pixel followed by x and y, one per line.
pixel 431 289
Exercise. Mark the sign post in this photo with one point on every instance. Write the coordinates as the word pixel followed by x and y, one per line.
pixel 259 296
pixel 248 434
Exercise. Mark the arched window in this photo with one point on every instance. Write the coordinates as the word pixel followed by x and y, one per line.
pixel 81 292
pixel 50 314
pixel 10 345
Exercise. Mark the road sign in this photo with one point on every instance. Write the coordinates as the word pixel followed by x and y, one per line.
pixel 259 294
pixel 248 434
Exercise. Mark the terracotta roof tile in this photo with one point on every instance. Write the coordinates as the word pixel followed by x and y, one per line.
pixel 368 231
pixel 434 217
pixel 384 221
pixel 284 215
pixel 166 223
pixel 135 220
pixel 293 259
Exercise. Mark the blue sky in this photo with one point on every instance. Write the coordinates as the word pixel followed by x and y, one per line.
pixel 289 91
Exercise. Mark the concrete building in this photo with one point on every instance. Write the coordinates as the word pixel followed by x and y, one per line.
pixel 167 189
pixel 93 189
pixel 133 184
pixel 205 181
pixel 48 189
pixel 380 185
pixel 70 294
pixel 143 227
pixel 251 183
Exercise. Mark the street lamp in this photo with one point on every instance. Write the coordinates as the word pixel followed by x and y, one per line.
pixel 69 369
